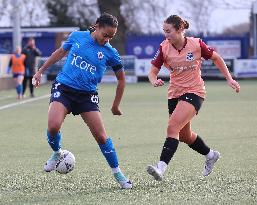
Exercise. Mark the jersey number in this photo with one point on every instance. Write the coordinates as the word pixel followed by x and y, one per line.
pixel 94 99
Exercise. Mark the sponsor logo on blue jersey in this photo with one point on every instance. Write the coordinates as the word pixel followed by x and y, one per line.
pixel 79 62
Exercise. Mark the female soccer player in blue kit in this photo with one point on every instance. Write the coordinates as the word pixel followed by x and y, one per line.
pixel 75 88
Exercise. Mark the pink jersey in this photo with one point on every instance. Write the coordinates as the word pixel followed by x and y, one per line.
pixel 184 66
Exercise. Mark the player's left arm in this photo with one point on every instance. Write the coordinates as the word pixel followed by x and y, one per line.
pixel 219 62
pixel 120 75
pixel 209 53
pixel 117 66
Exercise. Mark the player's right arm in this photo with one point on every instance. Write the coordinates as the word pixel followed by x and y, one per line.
pixel 157 62
pixel 153 77
pixel 55 56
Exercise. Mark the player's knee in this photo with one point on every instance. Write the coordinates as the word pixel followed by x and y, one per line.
pixel 53 127
pixel 52 131
pixel 172 130
pixel 101 138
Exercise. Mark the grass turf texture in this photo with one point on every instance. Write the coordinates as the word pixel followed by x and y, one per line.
pixel 227 122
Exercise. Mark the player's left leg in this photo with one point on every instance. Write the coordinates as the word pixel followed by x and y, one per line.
pixel 94 121
pixel 196 143
pixel 16 86
pixel 31 87
pixel 19 86
pixel 24 84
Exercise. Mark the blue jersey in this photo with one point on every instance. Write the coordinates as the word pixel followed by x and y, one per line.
pixel 87 61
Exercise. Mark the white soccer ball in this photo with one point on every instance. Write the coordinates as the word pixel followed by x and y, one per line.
pixel 66 163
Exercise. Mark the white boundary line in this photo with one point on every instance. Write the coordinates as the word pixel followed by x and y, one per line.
pixel 23 102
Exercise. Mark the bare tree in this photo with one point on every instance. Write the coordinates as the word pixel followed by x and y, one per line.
pixel 80 13
pixel 5 10
pixel 145 17
pixel 31 13
pixel 58 12
pixel 34 13
pixel 198 12
pixel 84 12
pixel 235 4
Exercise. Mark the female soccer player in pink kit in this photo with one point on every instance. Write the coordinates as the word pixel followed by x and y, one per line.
pixel 183 57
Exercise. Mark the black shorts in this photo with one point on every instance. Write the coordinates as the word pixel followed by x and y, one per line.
pixel 16 75
pixel 191 98
pixel 76 101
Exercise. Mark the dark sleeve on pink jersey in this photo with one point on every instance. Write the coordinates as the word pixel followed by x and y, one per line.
pixel 158 58
pixel 206 52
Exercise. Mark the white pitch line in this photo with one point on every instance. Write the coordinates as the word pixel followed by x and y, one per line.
pixel 23 102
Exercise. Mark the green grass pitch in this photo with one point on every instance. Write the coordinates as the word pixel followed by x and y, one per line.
pixel 227 122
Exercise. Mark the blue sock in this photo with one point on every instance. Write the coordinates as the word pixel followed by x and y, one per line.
pixel 109 153
pixel 17 89
pixel 54 142
pixel 20 89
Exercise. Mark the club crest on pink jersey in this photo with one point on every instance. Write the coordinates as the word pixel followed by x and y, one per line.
pixel 190 57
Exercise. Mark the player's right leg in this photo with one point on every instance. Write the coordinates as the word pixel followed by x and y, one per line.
pixel 211 156
pixel 56 114
pixel 181 115
pixel 196 143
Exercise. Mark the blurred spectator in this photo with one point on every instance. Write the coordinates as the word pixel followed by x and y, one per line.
pixel 31 52
pixel 17 65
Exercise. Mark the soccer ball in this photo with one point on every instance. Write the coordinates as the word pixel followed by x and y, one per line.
pixel 66 163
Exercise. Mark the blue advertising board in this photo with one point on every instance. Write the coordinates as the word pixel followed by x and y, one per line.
pixel 145 46
pixel 45 41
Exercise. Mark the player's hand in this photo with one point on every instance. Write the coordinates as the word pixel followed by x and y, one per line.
pixel 234 84
pixel 116 111
pixel 158 82
pixel 36 80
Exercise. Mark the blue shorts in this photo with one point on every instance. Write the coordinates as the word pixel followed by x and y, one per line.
pixel 191 98
pixel 15 75
pixel 76 101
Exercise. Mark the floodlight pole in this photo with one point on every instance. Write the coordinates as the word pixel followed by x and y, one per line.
pixel 254 29
pixel 16 36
